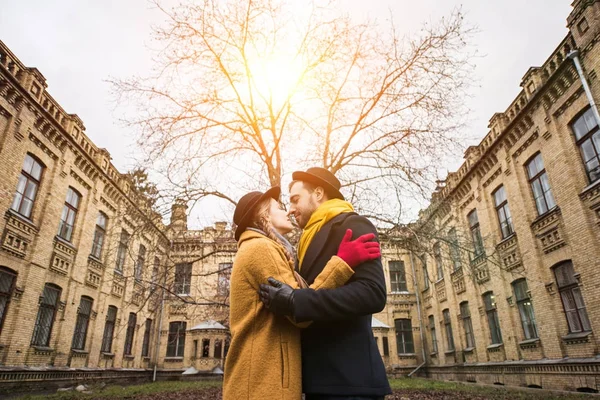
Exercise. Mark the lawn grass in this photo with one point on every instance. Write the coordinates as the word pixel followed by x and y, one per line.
pixel 411 388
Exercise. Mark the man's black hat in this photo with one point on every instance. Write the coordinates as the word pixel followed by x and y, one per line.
pixel 321 177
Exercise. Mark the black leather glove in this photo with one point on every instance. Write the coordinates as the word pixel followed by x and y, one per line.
pixel 277 297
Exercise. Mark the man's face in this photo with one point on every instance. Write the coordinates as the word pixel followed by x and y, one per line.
pixel 302 203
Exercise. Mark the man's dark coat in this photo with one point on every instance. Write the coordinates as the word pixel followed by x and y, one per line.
pixel 339 352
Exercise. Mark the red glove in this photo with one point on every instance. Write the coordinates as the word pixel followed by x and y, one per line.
pixel 359 250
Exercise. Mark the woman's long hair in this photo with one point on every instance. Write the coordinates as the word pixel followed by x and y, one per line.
pixel 261 220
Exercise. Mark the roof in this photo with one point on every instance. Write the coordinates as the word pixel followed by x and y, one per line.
pixel 206 325
pixel 375 323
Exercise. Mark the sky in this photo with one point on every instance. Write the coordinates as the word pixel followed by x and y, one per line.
pixel 79 44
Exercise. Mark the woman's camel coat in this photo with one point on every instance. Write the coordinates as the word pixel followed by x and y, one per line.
pixel 263 361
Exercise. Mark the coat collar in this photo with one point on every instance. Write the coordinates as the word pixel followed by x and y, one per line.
pixel 318 243
pixel 249 235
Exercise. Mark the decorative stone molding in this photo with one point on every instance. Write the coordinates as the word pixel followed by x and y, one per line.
pixel 93 279
pixel 480 269
pixel 18 234
pixel 509 253
pixel 591 197
pixel 548 228
pixel 458 281
pixel 440 290
pixel 63 256
pixel 530 344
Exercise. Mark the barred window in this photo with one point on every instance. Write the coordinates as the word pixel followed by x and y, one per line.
pixel 183 278
pixel 404 336
pixel 109 329
pixel 27 187
pixel 585 128
pixel 397 276
pixel 81 325
pixel 503 212
pixel 146 341
pixel 525 308
pixel 448 327
pixel 434 342
pixel 129 335
pixel 176 339
pixel 540 186
pixel 572 299
pixel 492 316
pixel 7 284
pixel 46 314
pixel 99 235
pixel 465 315
pixel 122 250
pixel 69 212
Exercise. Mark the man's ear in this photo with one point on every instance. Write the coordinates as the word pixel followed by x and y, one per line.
pixel 319 194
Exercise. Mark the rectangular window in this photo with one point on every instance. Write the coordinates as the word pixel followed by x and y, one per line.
pixel 439 264
pixel 195 355
pixel 46 314
pixel 223 279
pixel 386 346
pixel 155 272
pixel 81 325
pixel 404 336
pixel 127 350
pixel 146 341
pixel 465 315
pixel 398 276
pixel 122 251
pixel 205 347
pixel 176 339
pixel 454 249
pixel 492 316
pixel 218 348
pixel 572 299
pixel 27 187
pixel 139 265
pixel 448 327
pixel 423 259
pixel 525 308
pixel 109 329
pixel 99 235
pixel 587 135
pixel 503 212
pixel 475 233
pixel 434 342
pixel 183 278
pixel 540 186
pixel 7 284
pixel 69 212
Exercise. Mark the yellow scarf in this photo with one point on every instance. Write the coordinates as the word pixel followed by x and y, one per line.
pixel 323 214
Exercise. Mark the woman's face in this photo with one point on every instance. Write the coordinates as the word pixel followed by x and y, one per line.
pixel 279 218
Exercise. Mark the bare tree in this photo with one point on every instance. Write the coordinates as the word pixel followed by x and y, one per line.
pixel 245 91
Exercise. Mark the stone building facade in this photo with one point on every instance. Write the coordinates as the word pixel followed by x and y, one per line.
pixel 495 283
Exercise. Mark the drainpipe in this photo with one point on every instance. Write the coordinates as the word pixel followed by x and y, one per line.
pixel 162 303
pixel 412 266
pixel 574 55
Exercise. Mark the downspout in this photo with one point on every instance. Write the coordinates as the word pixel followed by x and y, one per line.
pixel 574 55
pixel 417 291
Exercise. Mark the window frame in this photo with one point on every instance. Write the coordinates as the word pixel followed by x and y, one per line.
pixel 82 323
pixel 36 339
pixel 491 311
pixel 109 324
pixel 439 262
pixel 224 278
pixel 403 328
pixel 180 286
pixel 99 236
pixel 139 264
pixel 397 274
pixel 29 178
pixel 122 249
pixel 454 248
pixel 432 331
pixel 447 320
pixel 589 135
pixel 146 339
pixel 475 229
pixel 65 229
pixel 527 319
pixel 538 177
pixel 467 322
pixel 6 296
pixel 130 334
pixel 503 213
pixel 571 287
pixel 178 337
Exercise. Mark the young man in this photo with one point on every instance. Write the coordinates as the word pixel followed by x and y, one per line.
pixel 340 359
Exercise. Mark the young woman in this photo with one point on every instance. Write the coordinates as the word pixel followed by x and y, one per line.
pixel 263 361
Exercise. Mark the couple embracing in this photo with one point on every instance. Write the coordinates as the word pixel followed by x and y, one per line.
pixel 301 321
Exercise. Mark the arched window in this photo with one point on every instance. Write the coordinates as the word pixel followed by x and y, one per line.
pixel 28 185
pixel 572 299
pixel 81 325
pixel 525 308
pixel 109 329
pixel 69 213
pixel 99 235
pixel 540 185
pixel 465 315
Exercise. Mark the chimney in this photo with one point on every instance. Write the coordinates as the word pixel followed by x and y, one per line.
pixel 179 215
